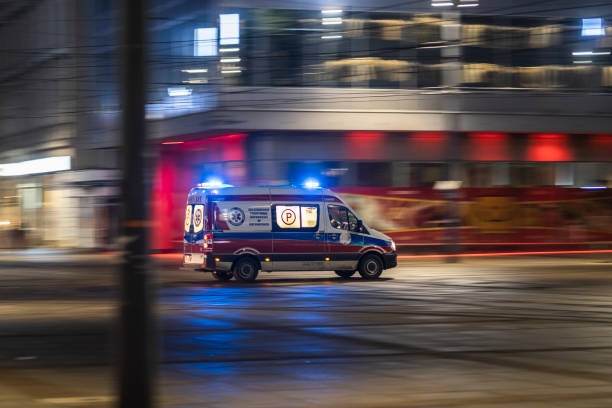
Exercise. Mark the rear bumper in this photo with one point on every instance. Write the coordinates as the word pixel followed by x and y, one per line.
pixel 390 260
pixel 209 263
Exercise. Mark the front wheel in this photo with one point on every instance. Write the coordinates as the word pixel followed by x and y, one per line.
pixel 222 275
pixel 345 274
pixel 245 270
pixel 370 267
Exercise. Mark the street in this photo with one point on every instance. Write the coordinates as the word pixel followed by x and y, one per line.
pixel 484 332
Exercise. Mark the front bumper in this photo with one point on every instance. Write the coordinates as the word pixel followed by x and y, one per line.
pixel 390 260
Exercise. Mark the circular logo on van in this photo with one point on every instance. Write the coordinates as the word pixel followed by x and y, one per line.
pixel 197 217
pixel 236 216
pixel 288 217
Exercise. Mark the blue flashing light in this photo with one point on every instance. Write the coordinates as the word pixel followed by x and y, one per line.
pixel 213 183
pixel 311 183
pixel 593 187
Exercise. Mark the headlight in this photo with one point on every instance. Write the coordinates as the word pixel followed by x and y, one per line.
pixel 393 244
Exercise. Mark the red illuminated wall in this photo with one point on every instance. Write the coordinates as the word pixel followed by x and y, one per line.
pixel 488 147
pixel 549 147
pixel 180 165
pixel 365 145
pixel 177 170
pixel 600 147
pixel 428 145
pixel 171 185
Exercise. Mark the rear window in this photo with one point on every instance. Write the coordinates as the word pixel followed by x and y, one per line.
pixel 198 218
pixel 194 215
pixel 188 212
pixel 303 217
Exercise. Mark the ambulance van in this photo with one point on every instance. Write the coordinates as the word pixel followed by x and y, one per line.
pixel 239 231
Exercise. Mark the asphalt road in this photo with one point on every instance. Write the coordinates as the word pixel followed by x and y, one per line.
pixel 511 332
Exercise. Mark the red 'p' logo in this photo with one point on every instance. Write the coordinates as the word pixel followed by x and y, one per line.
pixel 288 217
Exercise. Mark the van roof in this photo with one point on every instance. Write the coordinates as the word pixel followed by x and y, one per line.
pixel 284 190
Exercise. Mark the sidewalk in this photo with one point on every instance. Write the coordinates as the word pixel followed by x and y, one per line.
pixel 47 257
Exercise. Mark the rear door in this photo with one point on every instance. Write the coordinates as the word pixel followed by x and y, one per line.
pixel 299 237
pixel 195 219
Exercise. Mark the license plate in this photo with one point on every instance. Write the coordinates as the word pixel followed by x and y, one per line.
pixel 195 259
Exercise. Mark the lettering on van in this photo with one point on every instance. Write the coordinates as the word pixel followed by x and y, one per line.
pixel 259 216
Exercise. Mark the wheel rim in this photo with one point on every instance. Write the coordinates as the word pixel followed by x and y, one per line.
pixel 245 271
pixel 371 267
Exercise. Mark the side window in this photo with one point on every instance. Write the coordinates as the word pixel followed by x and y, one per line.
pixel 337 216
pixel 309 216
pixel 188 217
pixel 352 222
pixel 303 217
pixel 342 218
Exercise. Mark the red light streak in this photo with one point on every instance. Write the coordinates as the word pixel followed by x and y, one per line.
pixel 494 254
pixel 523 243
pixel 476 255
pixel 227 137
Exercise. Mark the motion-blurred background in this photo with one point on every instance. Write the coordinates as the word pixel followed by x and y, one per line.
pixel 376 100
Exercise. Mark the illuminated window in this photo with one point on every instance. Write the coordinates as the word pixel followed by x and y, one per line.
pixel 288 216
pixel 188 218
pixel 205 42
pixel 46 165
pixel 198 218
pixel 32 197
pixel 309 217
pixel 592 27
pixel 297 217
pixel 229 29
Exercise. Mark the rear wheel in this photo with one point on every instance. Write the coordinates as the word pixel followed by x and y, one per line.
pixel 222 275
pixel 245 270
pixel 345 274
pixel 370 267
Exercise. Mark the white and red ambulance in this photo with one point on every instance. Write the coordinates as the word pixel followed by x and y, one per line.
pixel 238 231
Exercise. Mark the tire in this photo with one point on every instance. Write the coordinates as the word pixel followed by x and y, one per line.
pixel 345 274
pixel 370 267
pixel 245 269
pixel 222 275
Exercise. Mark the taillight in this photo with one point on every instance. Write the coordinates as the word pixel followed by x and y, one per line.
pixel 208 242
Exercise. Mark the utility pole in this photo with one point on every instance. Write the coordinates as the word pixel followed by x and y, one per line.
pixel 137 359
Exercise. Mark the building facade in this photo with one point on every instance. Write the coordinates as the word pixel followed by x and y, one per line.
pixel 496 95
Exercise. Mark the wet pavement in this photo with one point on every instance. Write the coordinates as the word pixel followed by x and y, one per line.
pixel 512 332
